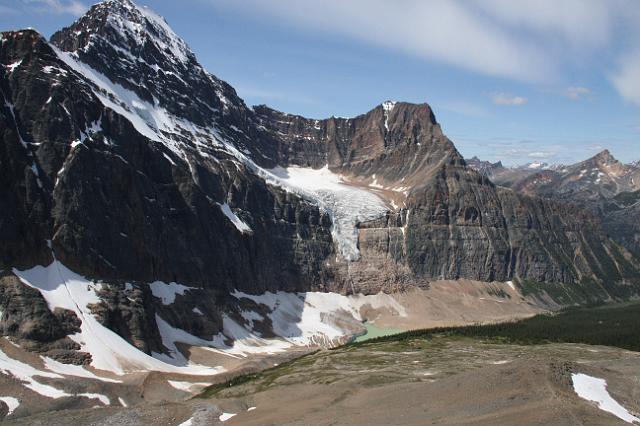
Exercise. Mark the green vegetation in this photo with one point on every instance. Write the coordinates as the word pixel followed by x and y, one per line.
pixel 608 325
pixel 267 376
pixel 405 357
pixel 565 294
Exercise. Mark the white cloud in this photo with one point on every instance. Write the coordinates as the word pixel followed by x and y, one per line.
pixel 507 99
pixel 58 7
pixel 577 93
pixel 450 32
pixel 626 79
pixel 576 22
pixel 525 40
pixel 540 154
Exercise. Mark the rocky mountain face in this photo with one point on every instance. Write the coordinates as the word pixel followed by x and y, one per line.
pixel 453 222
pixel 600 184
pixel 601 176
pixel 127 162
pixel 621 219
pixel 487 168
pixel 119 202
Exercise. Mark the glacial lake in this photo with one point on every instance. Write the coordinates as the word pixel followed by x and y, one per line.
pixel 374 331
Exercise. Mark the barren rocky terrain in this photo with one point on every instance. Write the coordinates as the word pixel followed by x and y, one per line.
pixel 437 381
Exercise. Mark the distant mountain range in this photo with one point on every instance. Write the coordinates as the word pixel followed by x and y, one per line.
pixel 601 184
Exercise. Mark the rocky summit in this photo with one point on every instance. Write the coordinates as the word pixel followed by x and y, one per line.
pixel 145 210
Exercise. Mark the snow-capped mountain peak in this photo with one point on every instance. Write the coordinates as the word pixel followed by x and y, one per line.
pixel 131 29
pixel 537 165
pixel 389 105
pixel 135 48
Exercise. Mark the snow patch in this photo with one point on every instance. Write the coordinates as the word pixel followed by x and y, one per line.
pixel 173 163
pixel 63 288
pixel 148 120
pixel 314 318
pixel 237 222
pixel 73 370
pixel 166 39
pixel 52 69
pixel 226 416
pixel 187 422
pixel 11 402
pixel 23 142
pixel 25 373
pixel 387 107
pixel 188 386
pixel 167 292
pixel 299 319
pixel 88 133
pixel 13 66
pixel 595 390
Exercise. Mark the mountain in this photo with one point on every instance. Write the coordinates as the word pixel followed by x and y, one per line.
pixel 507 176
pixel 601 184
pixel 486 168
pixel 601 176
pixel 146 208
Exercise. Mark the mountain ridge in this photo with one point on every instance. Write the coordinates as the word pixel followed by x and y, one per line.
pixel 346 158
pixel 601 184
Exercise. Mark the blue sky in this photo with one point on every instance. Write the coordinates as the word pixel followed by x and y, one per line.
pixel 517 81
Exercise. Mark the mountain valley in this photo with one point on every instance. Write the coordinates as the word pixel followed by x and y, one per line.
pixel 159 237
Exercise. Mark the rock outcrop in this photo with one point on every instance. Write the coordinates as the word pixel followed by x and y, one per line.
pixel 27 319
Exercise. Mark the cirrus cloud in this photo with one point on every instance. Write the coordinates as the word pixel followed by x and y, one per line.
pixel 577 93
pixel 447 31
pixel 521 40
pixel 507 99
pixel 626 79
pixel 58 7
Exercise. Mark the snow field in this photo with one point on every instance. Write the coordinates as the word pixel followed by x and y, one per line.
pixel 595 390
